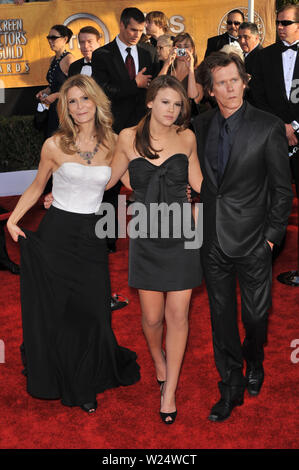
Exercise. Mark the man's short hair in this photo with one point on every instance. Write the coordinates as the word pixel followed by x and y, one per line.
pixel 131 13
pixel 204 73
pixel 290 6
pixel 237 11
pixel 90 30
pixel 251 26
pixel 159 18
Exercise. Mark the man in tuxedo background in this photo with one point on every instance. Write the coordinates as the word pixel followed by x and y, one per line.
pixel 89 40
pixel 247 198
pixel 275 87
pixel 234 19
pixel 276 78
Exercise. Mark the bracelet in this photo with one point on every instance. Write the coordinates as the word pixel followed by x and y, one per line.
pixel 194 98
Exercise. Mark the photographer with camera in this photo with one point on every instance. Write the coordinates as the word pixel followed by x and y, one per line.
pixel 181 63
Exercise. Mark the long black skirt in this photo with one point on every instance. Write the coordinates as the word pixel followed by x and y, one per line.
pixel 70 349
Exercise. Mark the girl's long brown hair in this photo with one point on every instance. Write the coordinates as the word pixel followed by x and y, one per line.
pixel 142 142
pixel 68 130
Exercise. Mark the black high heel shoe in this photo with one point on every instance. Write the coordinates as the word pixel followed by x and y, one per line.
pixel 89 407
pixel 172 415
pixel 163 415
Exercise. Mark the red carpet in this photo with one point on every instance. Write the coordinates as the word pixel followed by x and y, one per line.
pixel 127 417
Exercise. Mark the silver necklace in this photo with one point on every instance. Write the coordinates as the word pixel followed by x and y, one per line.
pixel 88 156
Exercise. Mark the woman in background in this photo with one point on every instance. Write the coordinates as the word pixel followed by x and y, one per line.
pixel 181 63
pixel 58 37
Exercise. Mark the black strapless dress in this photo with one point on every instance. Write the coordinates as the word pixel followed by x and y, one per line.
pixel 159 262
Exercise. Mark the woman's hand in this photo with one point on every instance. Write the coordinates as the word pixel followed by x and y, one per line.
pixel 14 231
pixel 171 57
pixel 48 200
pixel 50 98
pixel 189 60
pixel 40 95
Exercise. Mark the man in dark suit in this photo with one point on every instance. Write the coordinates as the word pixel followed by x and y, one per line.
pixel 234 19
pixel 247 198
pixel 124 69
pixel 89 40
pixel 249 41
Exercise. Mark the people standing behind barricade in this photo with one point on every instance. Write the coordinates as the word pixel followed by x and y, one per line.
pixel 181 63
pixel 58 37
pixel 234 19
pixel 156 24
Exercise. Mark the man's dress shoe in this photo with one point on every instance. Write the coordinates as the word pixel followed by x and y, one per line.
pixel 116 304
pixel 255 379
pixel 230 398
pixel 9 265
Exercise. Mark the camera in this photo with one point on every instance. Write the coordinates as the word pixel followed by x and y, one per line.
pixel 180 52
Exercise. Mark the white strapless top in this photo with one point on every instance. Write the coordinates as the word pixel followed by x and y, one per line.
pixel 79 188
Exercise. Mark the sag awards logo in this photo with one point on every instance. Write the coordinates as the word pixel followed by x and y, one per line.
pixel 257 20
pixel 13 40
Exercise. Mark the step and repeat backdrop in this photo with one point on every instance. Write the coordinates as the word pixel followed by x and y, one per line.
pixel 24 49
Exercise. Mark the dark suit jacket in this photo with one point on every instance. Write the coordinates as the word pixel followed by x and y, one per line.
pixel 76 67
pixel 251 58
pixel 254 199
pixel 268 88
pixel 250 61
pixel 216 43
pixel 109 70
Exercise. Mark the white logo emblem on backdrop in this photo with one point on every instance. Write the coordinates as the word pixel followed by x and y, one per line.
pixel 78 16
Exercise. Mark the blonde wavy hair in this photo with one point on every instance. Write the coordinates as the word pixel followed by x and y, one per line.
pixel 68 130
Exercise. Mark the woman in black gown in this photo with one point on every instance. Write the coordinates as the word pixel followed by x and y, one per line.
pixel 161 155
pixel 58 37
pixel 70 349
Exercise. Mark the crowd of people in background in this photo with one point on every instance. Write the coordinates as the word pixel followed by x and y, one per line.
pixel 143 69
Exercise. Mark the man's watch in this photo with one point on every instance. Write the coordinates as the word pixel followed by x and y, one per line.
pixel 295 125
